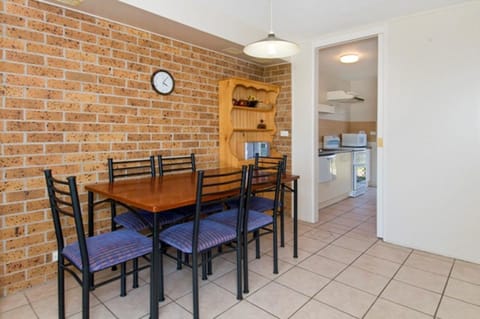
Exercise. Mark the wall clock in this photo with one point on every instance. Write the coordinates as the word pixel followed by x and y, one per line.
pixel 163 82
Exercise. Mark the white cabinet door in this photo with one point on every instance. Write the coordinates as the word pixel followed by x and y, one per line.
pixel 339 187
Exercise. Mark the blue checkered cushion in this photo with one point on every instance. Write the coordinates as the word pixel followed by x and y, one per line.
pixel 130 220
pixel 109 249
pixel 211 234
pixel 258 203
pixel 229 218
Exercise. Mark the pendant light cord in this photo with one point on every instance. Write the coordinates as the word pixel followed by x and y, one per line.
pixel 271 17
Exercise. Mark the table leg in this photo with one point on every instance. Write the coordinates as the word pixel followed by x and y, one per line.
pixel 154 270
pixel 295 220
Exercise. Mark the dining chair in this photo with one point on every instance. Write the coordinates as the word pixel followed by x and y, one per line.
pixel 255 222
pixel 87 254
pixel 135 219
pixel 199 236
pixel 260 202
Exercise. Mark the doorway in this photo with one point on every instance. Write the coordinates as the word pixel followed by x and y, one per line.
pixel 365 78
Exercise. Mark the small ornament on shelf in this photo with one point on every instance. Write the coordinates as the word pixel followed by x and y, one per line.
pixel 261 125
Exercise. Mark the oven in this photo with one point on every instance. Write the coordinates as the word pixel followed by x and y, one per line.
pixel 359 172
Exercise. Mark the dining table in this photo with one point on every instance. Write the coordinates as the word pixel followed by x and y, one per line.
pixel 162 193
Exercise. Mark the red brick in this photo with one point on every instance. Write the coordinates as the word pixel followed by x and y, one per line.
pixel 44 71
pixel 8 19
pixel 61 20
pixel 45 49
pixel 63 42
pixel 22 34
pixel 25 57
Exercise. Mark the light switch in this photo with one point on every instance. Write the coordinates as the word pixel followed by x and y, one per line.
pixel 284 133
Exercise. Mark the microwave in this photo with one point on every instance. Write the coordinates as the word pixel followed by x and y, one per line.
pixel 251 148
pixel 354 140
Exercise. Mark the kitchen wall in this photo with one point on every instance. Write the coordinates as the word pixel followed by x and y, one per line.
pixel 430 124
pixel 75 91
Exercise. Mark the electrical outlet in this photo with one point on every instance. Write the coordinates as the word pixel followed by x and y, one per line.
pixel 54 255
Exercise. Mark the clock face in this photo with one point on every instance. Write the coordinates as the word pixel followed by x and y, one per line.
pixel 163 82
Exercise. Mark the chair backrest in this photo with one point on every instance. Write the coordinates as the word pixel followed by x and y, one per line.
pixel 271 161
pixel 264 179
pixel 214 188
pixel 176 164
pixel 131 168
pixel 64 201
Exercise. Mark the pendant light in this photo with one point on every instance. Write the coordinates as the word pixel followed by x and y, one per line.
pixel 271 47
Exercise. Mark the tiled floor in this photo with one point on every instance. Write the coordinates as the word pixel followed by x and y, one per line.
pixel 343 271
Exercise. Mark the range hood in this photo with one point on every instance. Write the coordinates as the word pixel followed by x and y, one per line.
pixel 344 97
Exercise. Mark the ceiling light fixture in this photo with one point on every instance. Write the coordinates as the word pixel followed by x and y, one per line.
pixel 271 47
pixel 349 58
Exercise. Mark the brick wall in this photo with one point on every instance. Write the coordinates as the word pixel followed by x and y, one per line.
pixel 76 91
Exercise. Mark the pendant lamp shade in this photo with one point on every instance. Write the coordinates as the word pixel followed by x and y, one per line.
pixel 271 47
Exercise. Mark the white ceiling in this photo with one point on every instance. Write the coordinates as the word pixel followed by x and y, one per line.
pixel 228 25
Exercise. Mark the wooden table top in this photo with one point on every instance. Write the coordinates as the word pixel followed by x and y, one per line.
pixel 157 194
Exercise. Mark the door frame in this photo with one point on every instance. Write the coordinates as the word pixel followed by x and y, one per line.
pixel 341 38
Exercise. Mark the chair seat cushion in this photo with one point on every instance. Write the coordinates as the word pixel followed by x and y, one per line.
pixel 109 249
pixel 257 203
pixel 130 220
pixel 211 234
pixel 255 219
pixel 206 209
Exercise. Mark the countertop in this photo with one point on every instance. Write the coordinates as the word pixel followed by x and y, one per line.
pixel 327 152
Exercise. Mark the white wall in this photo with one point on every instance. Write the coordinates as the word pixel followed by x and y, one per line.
pixel 365 111
pixel 432 132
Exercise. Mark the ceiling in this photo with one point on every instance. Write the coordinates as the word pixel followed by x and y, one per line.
pixel 329 60
pixel 226 26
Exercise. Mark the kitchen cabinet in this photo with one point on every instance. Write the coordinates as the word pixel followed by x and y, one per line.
pixel 338 187
pixel 246 114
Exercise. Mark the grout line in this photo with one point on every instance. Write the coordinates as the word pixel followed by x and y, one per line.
pixel 444 289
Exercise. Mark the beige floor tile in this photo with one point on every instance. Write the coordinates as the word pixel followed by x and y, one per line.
pixel 264 267
pixel 220 267
pixel 245 310
pixel 97 312
pixel 363 280
pixel 340 254
pixel 426 263
pixel 229 281
pixel 348 222
pixel 383 309
pixel 353 243
pixel 172 311
pixel 314 310
pixel 213 300
pixel 412 297
pixel 310 245
pixel 456 309
pixel 362 235
pixel 112 290
pixel 464 291
pixel 179 283
pixel 389 252
pixel 22 312
pixel 421 279
pixel 377 265
pixel 48 306
pixel 431 255
pixel 286 254
pixel 345 298
pixel 303 281
pixel 278 300
pixel 323 266
pixel 336 228
pixel 140 298
pixel 466 271
pixel 12 301
pixel 323 235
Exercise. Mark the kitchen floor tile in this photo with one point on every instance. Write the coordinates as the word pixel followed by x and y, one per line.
pixel 278 300
pixel 363 280
pixel 322 266
pixel 427 263
pixel 350 300
pixel 264 267
pixel 22 312
pixel 383 309
pixel 454 309
pixel 377 265
pixel 245 310
pixel 389 252
pixel 463 290
pixel 229 281
pixel 13 301
pixel 314 310
pixel 412 297
pixel 353 243
pixel 340 254
pixel 466 271
pixel 421 279
pixel 303 281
